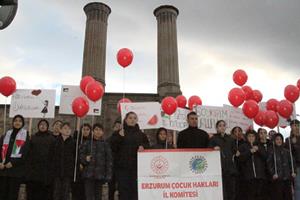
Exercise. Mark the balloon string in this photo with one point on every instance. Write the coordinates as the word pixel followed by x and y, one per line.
pixel 123 83
pixel 4 120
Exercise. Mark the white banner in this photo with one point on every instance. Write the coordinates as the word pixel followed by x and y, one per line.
pixel 237 118
pixel 69 93
pixel 193 174
pixel 33 103
pixel 177 121
pixel 149 114
pixel 209 115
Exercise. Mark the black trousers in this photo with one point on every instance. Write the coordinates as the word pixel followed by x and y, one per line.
pixel 281 190
pixel 254 189
pixel 9 188
pixel 78 192
pixel 93 189
pixel 38 190
pixel 112 185
pixel 127 184
pixel 61 189
pixel 229 187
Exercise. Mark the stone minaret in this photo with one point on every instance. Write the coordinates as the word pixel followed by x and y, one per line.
pixel 94 54
pixel 167 52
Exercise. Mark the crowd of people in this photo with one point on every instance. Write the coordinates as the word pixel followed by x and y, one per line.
pixel 61 164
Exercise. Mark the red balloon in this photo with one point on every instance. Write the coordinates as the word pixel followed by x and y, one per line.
pixel 272 104
pixel 94 91
pixel 123 100
pixel 7 86
pixel 80 106
pixel 194 101
pixel 240 77
pixel 250 108
pixel 259 119
pixel 271 119
pixel 257 96
pixel 169 105
pixel 248 92
pixel 181 101
pixel 298 84
pixel 285 108
pixel 236 97
pixel 124 57
pixel 291 93
pixel 85 81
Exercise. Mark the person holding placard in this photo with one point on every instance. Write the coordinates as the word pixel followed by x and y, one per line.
pixel 14 150
pixel 63 159
pixel 161 140
pixel 38 162
pixel 225 144
pixel 125 146
pixel 280 166
pixel 192 137
pixel 253 158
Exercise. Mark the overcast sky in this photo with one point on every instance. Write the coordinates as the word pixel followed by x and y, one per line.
pixel 43 47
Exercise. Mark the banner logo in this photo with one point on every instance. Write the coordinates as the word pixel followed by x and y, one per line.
pixel 198 164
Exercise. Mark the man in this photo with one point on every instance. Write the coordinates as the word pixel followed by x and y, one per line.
pixel 192 137
pixel 293 144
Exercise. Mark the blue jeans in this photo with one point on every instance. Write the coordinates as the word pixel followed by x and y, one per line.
pixel 297 185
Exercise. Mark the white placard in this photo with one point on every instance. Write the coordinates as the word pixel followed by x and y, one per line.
pixel 237 118
pixel 209 115
pixel 179 174
pixel 149 114
pixel 32 103
pixel 177 121
pixel 69 93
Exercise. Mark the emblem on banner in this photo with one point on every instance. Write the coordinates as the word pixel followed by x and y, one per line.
pixel 159 165
pixel 198 164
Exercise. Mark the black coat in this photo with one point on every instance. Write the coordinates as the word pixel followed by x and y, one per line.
pixel 100 166
pixel 192 137
pixel 161 144
pixel 253 165
pixel 283 163
pixel 227 150
pixel 63 158
pixel 39 157
pixel 295 149
pixel 125 147
pixel 18 164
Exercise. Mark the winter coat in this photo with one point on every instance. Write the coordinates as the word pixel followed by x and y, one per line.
pixel 253 165
pixel 227 150
pixel 100 166
pixel 283 163
pixel 39 156
pixel 63 158
pixel 125 147
pixel 18 168
pixel 295 149
pixel 192 137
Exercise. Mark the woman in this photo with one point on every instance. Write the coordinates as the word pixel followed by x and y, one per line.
pixel 161 140
pixel 78 192
pixel 39 181
pixel 14 148
pixel 125 146
pixel 225 144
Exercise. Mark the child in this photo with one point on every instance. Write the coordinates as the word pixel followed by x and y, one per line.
pixel 280 167
pixel 96 158
pixel 161 140
pixel 14 148
pixel 63 163
pixel 253 166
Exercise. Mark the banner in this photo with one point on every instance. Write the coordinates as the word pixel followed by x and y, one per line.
pixel 177 121
pixel 237 118
pixel 209 115
pixel 69 93
pixel 149 114
pixel 33 103
pixel 193 174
